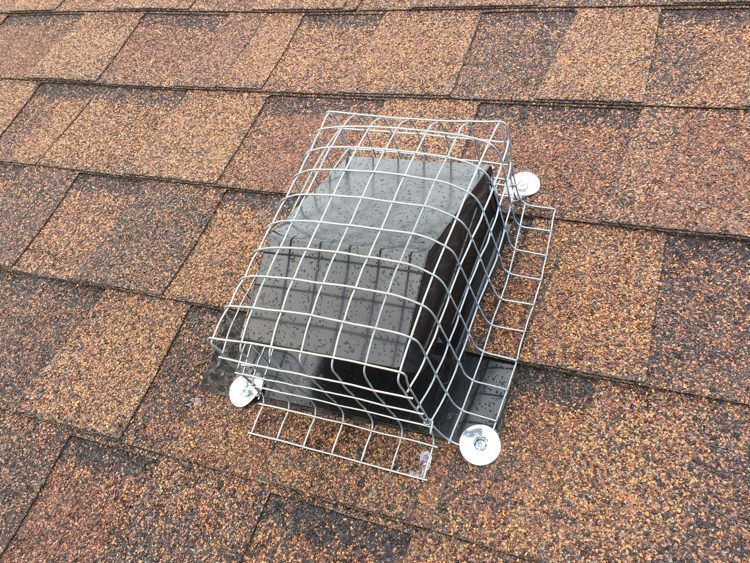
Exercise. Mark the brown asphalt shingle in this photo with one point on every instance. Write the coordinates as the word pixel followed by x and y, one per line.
pixel 657 473
pixel 73 5
pixel 13 96
pixel 238 50
pixel 80 356
pixel 434 108
pixel 178 418
pixel 701 330
pixel 43 119
pixel 273 150
pixel 597 306
pixel 509 505
pixel 187 135
pixel 339 481
pixel 118 348
pixel 333 479
pixel 702 58
pixel 28 196
pixel 211 272
pixel 406 4
pixel 121 233
pixel 28 449
pixel 38 317
pixel 605 55
pixel 597 470
pixel 244 5
pixel 435 548
pixel 687 170
pixel 577 153
pixel 590 469
pixel 396 52
pixel 511 53
pixel 19 5
pixel 293 530
pixel 516 4
pixel 101 502
pixel 62 46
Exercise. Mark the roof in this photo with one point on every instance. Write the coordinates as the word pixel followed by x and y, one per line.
pixel 144 145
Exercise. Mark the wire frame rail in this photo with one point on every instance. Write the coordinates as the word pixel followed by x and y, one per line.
pixel 390 296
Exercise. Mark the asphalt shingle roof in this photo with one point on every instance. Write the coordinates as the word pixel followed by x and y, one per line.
pixel 144 145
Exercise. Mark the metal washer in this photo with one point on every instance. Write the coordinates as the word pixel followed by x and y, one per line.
pixel 479 444
pixel 242 392
pixel 527 183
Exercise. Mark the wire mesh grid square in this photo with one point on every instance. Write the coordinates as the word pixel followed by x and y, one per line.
pixel 389 298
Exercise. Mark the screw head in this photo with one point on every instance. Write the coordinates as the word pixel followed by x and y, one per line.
pixel 480 443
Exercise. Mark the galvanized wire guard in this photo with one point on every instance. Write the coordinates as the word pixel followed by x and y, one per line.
pixel 390 296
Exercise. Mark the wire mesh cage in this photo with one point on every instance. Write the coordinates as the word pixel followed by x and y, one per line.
pixel 389 298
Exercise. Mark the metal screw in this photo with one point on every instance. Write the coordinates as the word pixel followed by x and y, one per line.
pixel 480 443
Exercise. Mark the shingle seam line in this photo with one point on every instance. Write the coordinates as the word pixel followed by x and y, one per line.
pixel 47 220
pixel 532 102
pixel 278 195
pixel 41 488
